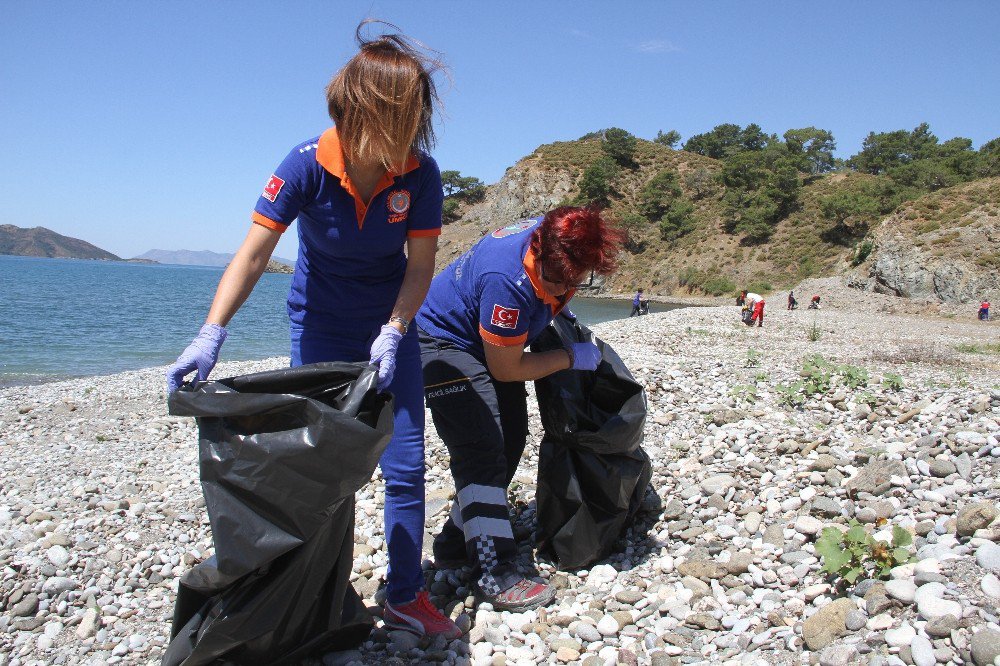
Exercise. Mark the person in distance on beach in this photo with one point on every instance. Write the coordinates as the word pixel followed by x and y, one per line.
pixel 984 311
pixel 360 191
pixel 637 303
pixel 480 314
pixel 755 304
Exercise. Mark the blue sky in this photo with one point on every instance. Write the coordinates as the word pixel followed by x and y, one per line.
pixel 139 125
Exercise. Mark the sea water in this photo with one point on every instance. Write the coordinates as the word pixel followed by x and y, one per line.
pixel 64 318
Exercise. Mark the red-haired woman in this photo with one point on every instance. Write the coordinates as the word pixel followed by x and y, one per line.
pixel 480 314
pixel 360 191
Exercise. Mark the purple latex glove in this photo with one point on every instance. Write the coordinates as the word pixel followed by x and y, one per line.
pixel 584 356
pixel 200 355
pixel 384 354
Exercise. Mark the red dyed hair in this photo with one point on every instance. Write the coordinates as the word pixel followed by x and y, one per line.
pixel 571 241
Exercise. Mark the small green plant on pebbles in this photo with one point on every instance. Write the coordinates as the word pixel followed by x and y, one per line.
pixel 753 359
pixel 867 398
pixel 892 381
pixel 744 392
pixel 855 553
pixel 792 394
pixel 853 376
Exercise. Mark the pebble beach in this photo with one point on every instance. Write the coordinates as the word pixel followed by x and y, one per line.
pixel 101 510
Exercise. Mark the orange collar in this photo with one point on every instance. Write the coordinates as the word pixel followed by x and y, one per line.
pixel 330 155
pixel 531 269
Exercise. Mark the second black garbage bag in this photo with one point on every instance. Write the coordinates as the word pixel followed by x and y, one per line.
pixel 592 471
pixel 281 455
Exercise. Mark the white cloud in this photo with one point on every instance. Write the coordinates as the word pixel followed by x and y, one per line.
pixel 656 46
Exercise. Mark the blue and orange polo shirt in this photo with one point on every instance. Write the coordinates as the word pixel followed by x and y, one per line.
pixel 351 261
pixel 491 293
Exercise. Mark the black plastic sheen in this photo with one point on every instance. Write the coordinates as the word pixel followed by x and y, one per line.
pixel 281 455
pixel 592 471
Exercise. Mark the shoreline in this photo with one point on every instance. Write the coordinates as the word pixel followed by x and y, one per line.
pixel 101 510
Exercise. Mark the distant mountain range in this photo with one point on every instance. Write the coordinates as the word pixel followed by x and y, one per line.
pixel 42 242
pixel 196 257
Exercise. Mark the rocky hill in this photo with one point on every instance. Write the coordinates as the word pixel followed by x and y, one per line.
pixel 274 266
pixel 806 244
pixel 42 242
pixel 943 246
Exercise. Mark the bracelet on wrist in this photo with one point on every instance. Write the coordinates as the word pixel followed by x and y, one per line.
pixel 402 322
pixel 569 352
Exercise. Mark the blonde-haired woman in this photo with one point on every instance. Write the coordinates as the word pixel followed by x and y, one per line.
pixel 360 191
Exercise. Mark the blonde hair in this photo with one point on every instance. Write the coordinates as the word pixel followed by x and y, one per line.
pixel 383 99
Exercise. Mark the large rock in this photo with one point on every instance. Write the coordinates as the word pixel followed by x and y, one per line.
pixel 874 478
pixel 985 646
pixel 988 557
pixel 827 624
pixel 976 517
pixel 702 569
pixel 718 484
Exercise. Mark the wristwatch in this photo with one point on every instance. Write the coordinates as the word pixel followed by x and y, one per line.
pixel 402 322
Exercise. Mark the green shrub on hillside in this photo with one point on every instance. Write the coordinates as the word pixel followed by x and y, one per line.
pixel 759 286
pixel 989 159
pixel 671 138
pixel 813 146
pixel 635 226
pixel 761 189
pixel 862 252
pixel 727 140
pixel 597 184
pixel 658 194
pixel 701 182
pixel 717 285
pixel 677 221
pixel 916 159
pixel 619 145
pixel 449 210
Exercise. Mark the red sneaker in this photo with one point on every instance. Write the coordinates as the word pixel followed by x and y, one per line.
pixel 420 616
pixel 522 595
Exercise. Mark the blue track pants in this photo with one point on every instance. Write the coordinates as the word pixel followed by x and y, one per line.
pixel 403 461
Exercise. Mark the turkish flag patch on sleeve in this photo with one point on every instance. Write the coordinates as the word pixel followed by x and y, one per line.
pixel 504 317
pixel 272 188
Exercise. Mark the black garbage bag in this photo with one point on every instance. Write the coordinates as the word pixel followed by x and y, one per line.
pixel 281 454
pixel 592 471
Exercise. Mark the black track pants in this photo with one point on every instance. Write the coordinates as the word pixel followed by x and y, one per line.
pixel 484 424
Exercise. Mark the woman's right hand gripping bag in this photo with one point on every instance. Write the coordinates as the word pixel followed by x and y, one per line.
pixel 592 471
pixel 281 455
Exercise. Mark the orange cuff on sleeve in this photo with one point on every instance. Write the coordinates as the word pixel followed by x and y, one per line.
pixel 501 341
pixel 423 233
pixel 257 218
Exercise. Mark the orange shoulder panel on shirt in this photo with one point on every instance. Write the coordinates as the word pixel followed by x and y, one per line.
pixel 501 341
pixel 257 218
